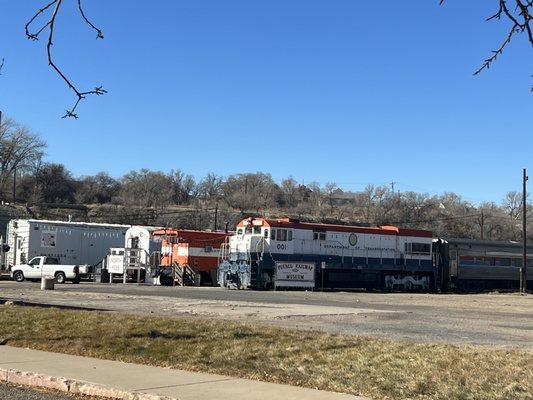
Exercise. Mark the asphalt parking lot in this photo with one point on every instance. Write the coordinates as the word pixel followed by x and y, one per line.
pixel 483 319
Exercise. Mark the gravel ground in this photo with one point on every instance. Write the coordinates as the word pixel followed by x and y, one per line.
pixel 8 392
pixel 484 319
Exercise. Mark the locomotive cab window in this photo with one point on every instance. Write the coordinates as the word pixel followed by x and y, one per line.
pixel 239 231
pixel 257 230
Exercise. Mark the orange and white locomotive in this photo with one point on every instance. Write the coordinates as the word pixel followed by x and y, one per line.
pixel 196 249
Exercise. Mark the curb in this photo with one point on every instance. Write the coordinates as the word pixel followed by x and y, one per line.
pixel 72 386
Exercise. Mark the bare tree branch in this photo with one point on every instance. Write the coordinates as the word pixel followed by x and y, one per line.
pixel 55 6
pixel 521 18
pixel 1 65
pixel 99 34
pixel 495 53
pixel 35 36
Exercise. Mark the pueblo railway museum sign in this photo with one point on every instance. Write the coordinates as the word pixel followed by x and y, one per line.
pixel 295 274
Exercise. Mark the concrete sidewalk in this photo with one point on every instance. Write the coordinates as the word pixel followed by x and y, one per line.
pixel 132 378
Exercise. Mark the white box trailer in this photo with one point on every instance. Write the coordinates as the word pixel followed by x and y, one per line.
pixel 71 242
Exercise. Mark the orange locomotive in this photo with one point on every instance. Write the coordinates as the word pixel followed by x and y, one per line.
pixel 196 249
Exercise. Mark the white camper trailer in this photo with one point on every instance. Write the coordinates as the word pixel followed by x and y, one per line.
pixel 140 237
pixel 70 242
pixel 140 244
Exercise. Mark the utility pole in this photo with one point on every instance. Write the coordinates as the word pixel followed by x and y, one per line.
pixel 482 225
pixel 216 217
pixel 523 268
pixel 14 185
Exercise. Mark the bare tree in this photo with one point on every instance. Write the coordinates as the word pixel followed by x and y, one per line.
pixel 55 184
pixel 512 204
pixel 210 188
pixel 249 191
pixel 316 200
pixel 185 187
pixel 53 9
pixel 519 13
pixel 263 191
pixel 289 188
pixel 98 189
pixel 20 149
pixel 330 190
pixel 147 188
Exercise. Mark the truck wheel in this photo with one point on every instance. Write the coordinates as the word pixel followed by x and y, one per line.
pixel 165 280
pixel 18 276
pixel 60 277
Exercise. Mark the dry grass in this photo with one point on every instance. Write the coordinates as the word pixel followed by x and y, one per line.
pixel 378 368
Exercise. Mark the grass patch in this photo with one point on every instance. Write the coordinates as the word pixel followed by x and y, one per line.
pixel 378 368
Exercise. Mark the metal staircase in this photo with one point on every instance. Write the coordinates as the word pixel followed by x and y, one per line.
pixel 133 261
pixel 223 254
pixel 185 275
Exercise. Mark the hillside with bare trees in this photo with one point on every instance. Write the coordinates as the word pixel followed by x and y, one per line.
pixel 32 187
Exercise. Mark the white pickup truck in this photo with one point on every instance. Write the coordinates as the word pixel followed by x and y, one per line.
pixel 43 266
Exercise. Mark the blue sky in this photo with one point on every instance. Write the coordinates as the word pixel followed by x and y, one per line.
pixel 349 91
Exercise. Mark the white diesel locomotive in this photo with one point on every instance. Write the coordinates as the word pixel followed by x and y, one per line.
pixel 268 253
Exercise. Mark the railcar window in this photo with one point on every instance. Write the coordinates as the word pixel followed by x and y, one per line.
pixel 239 231
pixel 319 235
pixel 257 230
pixel 417 248
pixel 482 260
pixel 266 233
pixel 281 235
pixel 505 262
